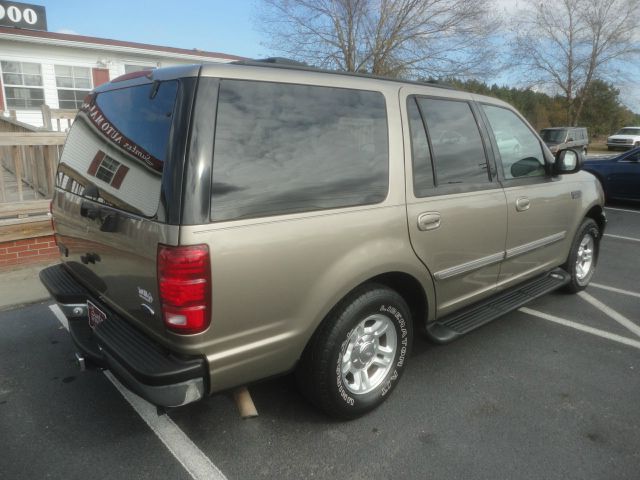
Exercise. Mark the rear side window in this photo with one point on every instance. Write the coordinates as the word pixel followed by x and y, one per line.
pixel 118 144
pixel 282 148
pixel 457 148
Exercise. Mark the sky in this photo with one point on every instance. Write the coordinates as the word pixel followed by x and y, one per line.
pixel 224 26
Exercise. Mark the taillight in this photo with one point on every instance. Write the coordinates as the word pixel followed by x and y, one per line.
pixel 184 278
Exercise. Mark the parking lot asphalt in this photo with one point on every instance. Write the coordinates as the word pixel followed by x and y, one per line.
pixel 523 397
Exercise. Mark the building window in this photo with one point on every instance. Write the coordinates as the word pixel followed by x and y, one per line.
pixel 74 83
pixel 22 84
pixel 107 169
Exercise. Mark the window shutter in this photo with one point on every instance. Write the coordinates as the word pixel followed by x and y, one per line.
pixel 95 163
pixel 119 176
pixel 100 76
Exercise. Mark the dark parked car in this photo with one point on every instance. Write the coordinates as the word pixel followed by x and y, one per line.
pixel 560 138
pixel 619 176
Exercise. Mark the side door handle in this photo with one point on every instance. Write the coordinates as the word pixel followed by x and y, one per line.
pixel 522 204
pixel 428 221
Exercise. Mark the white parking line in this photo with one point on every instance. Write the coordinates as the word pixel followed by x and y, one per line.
pixel 194 461
pixel 622 237
pixel 186 452
pixel 611 313
pixel 582 328
pixel 622 210
pixel 613 289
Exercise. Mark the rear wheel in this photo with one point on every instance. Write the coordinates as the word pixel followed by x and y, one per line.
pixel 583 257
pixel 358 354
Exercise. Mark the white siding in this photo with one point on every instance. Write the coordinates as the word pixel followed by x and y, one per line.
pixel 49 55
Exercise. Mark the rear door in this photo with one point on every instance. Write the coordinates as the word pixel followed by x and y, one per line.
pixel 108 213
pixel 455 206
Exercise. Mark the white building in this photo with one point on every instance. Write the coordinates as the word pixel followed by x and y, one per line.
pixel 56 69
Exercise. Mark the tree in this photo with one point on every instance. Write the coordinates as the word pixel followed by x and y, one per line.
pixel 602 111
pixel 384 37
pixel 567 44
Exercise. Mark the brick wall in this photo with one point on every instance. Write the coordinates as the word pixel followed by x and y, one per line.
pixel 28 251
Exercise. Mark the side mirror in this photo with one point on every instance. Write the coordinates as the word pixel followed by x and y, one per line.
pixel 567 161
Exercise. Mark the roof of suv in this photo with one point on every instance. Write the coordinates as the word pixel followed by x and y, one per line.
pixel 285 66
pixel 285 63
pixel 559 128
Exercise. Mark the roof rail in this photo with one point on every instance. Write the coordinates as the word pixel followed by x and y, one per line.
pixel 286 63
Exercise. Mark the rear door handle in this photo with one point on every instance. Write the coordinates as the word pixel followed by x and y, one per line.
pixel 522 204
pixel 428 221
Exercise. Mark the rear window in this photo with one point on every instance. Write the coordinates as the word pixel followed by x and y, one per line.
pixel 118 144
pixel 282 148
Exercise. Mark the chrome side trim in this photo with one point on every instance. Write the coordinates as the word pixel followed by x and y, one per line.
pixel 469 266
pixel 527 247
pixel 498 257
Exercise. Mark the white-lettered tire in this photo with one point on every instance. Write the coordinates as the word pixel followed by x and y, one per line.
pixel 583 256
pixel 358 354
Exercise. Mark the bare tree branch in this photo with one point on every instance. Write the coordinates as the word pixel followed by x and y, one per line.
pixel 418 38
pixel 567 45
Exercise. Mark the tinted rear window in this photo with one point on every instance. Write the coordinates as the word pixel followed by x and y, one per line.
pixel 119 144
pixel 283 148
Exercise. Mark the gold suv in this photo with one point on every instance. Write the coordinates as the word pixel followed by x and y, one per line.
pixel 225 223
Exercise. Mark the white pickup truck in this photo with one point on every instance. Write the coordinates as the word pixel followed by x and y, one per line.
pixel 627 138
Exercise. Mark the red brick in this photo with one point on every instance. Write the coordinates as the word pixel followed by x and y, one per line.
pixel 27 253
pixel 19 243
pixel 3 251
pixel 48 251
pixel 21 248
pixel 8 256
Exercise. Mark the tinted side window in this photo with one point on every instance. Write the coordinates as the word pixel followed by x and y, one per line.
pixel 520 151
pixel 420 154
pixel 282 148
pixel 458 151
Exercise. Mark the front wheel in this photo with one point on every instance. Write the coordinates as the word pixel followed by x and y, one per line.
pixel 358 354
pixel 583 257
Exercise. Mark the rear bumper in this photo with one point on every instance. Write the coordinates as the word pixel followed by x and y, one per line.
pixel 156 374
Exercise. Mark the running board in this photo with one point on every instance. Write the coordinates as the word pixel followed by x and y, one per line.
pixel 458 323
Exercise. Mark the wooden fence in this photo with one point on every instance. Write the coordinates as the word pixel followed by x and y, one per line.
pixel 28 162
pixel 59 120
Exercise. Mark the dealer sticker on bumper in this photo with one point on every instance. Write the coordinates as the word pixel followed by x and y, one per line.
pixel 96 316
